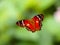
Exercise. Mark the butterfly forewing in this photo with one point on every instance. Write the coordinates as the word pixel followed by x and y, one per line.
pixel 37 23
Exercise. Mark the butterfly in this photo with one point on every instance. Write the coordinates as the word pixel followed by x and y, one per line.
pixel 33 24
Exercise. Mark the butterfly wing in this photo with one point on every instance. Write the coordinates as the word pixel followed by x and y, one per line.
pixel 33 24
pixel 29 25
pixel 37 23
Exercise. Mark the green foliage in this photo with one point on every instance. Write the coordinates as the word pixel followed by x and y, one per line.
pixel 13 10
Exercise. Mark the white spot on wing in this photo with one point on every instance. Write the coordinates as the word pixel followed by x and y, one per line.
pixel 28 24
pixel 37 21
pixel 23 23
pixel 38 17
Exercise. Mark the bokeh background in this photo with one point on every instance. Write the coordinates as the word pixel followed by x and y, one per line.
pixel 13 10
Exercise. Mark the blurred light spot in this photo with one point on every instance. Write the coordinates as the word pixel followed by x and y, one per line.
pixel 57 15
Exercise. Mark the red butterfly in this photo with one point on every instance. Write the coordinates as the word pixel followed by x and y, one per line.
pixel 33 24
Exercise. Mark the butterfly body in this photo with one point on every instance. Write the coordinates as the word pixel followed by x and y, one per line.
pixel 33 24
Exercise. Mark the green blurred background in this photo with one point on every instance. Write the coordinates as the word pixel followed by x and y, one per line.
pixel 13 10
